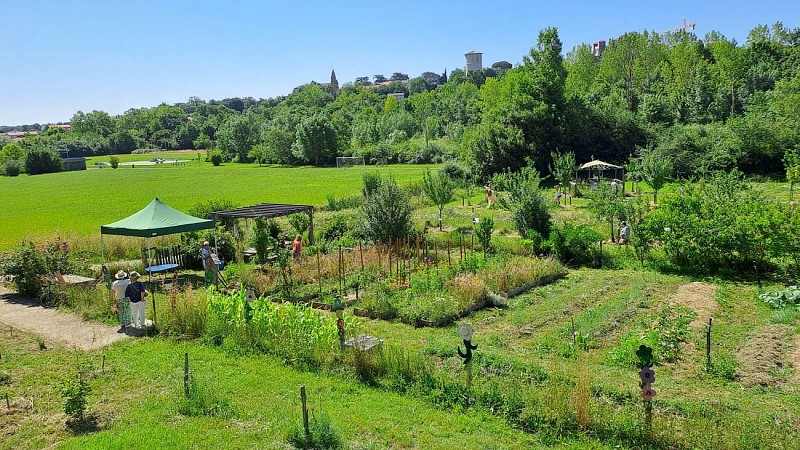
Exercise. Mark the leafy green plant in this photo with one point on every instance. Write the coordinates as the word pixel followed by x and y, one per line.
pixel 724 366
pixel 114 161
pixel 75 389
pixel 672 330
pixel 783 298
pixel 5 378
pixel 322 433
pixel 299 222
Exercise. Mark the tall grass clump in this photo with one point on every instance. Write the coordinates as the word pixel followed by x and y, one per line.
pixel 322 433
pixel 468 289
pixel 185 316
pixel 506 275
pixel 92 303
pixel 204 401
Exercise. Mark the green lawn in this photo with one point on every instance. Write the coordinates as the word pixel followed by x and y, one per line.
pixel 136 398
pixel 75 204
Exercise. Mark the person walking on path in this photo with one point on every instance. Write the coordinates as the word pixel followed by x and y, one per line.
pixel 297 247
pixel 137 294
pixel 121 305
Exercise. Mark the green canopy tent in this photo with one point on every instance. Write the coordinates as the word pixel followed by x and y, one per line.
pixel 155 219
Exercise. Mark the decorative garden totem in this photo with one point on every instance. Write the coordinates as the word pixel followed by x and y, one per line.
pixel 648 377
pixel 465 331
pixel 339 309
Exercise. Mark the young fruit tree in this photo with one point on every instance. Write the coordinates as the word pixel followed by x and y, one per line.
pixel 655 171
pixel 439 188
pixel 562 169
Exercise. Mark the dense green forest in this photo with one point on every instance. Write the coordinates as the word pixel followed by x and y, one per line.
pixel 704 104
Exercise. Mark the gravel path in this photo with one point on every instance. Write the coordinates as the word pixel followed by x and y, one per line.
pixel 54 326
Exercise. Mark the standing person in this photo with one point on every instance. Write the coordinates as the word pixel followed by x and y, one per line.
pixel 624 233
pixel 121 305
pixel 208 263
pixel 297 247
pixel 137 294
pixel 489 194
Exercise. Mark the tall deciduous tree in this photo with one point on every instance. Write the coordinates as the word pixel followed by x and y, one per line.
pixel 315 141
pixel 237 136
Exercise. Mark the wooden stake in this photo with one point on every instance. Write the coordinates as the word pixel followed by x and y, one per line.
pixel 305 410
pixel 319 274
pixel 186 374
pixel 8 404
pixel 389 252
pixel 361 251
pixel 448 252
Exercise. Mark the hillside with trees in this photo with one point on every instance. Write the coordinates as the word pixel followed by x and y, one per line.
pixel 704 104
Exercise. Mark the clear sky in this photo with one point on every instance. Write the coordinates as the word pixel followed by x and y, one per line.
pixel 61 56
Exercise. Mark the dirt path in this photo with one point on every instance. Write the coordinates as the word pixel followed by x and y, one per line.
pixel 53 326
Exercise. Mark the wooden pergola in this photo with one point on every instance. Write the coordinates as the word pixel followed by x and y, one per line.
pixel 270 211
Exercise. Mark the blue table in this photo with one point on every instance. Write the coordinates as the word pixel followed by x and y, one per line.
pixel 160 268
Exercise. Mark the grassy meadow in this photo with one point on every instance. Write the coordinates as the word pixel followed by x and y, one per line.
pixel 76 204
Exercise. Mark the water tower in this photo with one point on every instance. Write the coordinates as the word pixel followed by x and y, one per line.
pixel 473 61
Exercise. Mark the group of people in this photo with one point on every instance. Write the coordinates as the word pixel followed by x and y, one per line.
pixel 129 299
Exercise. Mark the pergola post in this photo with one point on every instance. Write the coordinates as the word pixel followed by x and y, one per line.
pixel 311 226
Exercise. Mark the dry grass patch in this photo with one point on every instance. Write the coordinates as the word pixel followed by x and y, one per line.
pixel 761 357
pixel 700 298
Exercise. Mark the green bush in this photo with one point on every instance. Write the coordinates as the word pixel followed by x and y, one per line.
pixel 114 161
pixel 31 266
pixel 782 299
pixel 299 222
pixel 574 244
pixel 322 433
pixel 483 231
pixel 42 160
pixel 215 156
pixel 12 168
pixel 529 209
pixel 387 212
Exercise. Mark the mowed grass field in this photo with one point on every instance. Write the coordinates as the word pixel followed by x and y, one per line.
pixel 76 204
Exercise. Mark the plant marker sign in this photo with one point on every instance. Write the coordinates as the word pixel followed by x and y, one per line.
pixel 647 377
pixel 465 331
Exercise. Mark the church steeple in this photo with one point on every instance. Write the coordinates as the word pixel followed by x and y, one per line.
pixel 334 83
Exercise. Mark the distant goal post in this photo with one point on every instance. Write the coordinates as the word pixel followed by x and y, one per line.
pixel 349 161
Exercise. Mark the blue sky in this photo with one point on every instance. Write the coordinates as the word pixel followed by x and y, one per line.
pixel 59 57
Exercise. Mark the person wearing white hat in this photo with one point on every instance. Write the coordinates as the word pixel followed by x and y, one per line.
pixel 121 304
pixel 137 294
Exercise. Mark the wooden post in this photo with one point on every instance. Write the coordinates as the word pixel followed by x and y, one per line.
pixel 378 250
pixel 361 252
pixel 389 252
pixel 448 252
pixel 708 345
pixel 103 366
pixel 305 410
pixel 319 274
pixel 8 404
pixel 311 226
pixel 186 374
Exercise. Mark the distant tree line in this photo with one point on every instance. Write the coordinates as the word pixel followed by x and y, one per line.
pixel 703 104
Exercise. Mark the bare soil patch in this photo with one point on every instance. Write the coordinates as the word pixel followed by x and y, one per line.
pixel 794 359
pixel 762 356
pixel 699 297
